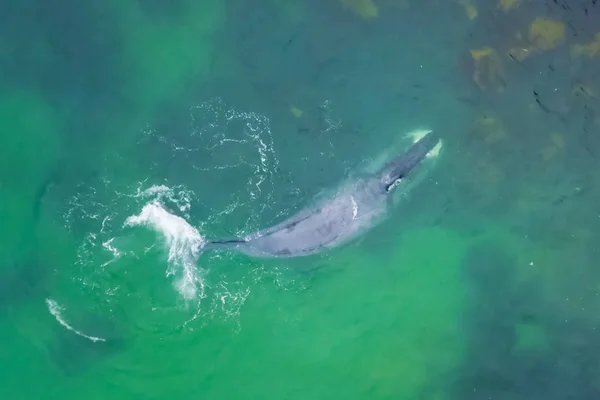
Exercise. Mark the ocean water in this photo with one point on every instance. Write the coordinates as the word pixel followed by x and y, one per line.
pixel 133 132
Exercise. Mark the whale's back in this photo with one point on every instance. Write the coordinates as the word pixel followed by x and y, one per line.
pixel 326 225
pixel 358 204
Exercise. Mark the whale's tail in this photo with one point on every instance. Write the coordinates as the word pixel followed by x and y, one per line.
pixel 397 169
pixel 234 244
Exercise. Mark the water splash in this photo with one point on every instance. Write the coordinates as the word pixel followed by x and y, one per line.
pixel 183 241
pixel 221 142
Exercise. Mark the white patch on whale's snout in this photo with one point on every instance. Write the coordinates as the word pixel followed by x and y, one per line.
pixel 433 153
pixel 418 134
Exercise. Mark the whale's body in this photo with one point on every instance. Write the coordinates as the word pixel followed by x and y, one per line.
pixel 357 205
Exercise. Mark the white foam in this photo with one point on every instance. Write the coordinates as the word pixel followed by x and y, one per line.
pixel 155 190
pixel 56 311
pixel 183 241
pixel 109 246
pixel 179 196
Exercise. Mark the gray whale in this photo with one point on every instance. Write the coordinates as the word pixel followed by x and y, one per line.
pixel 359 204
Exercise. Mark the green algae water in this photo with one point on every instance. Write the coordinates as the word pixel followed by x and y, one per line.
pixel 132 132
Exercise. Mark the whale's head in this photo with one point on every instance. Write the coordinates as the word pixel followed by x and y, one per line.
pixel 426 144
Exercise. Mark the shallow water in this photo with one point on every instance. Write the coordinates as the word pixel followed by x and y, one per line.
pixel 133 132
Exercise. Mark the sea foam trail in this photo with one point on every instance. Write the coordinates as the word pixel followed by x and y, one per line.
pixel 183 241
pixel 56 311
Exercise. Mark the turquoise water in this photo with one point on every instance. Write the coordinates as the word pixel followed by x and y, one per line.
pixel 135 131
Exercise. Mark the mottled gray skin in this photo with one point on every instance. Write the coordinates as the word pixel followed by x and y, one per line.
pixel 357 205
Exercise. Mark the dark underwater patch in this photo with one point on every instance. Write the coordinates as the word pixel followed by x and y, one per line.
pixel 20 283
pixel 519 346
